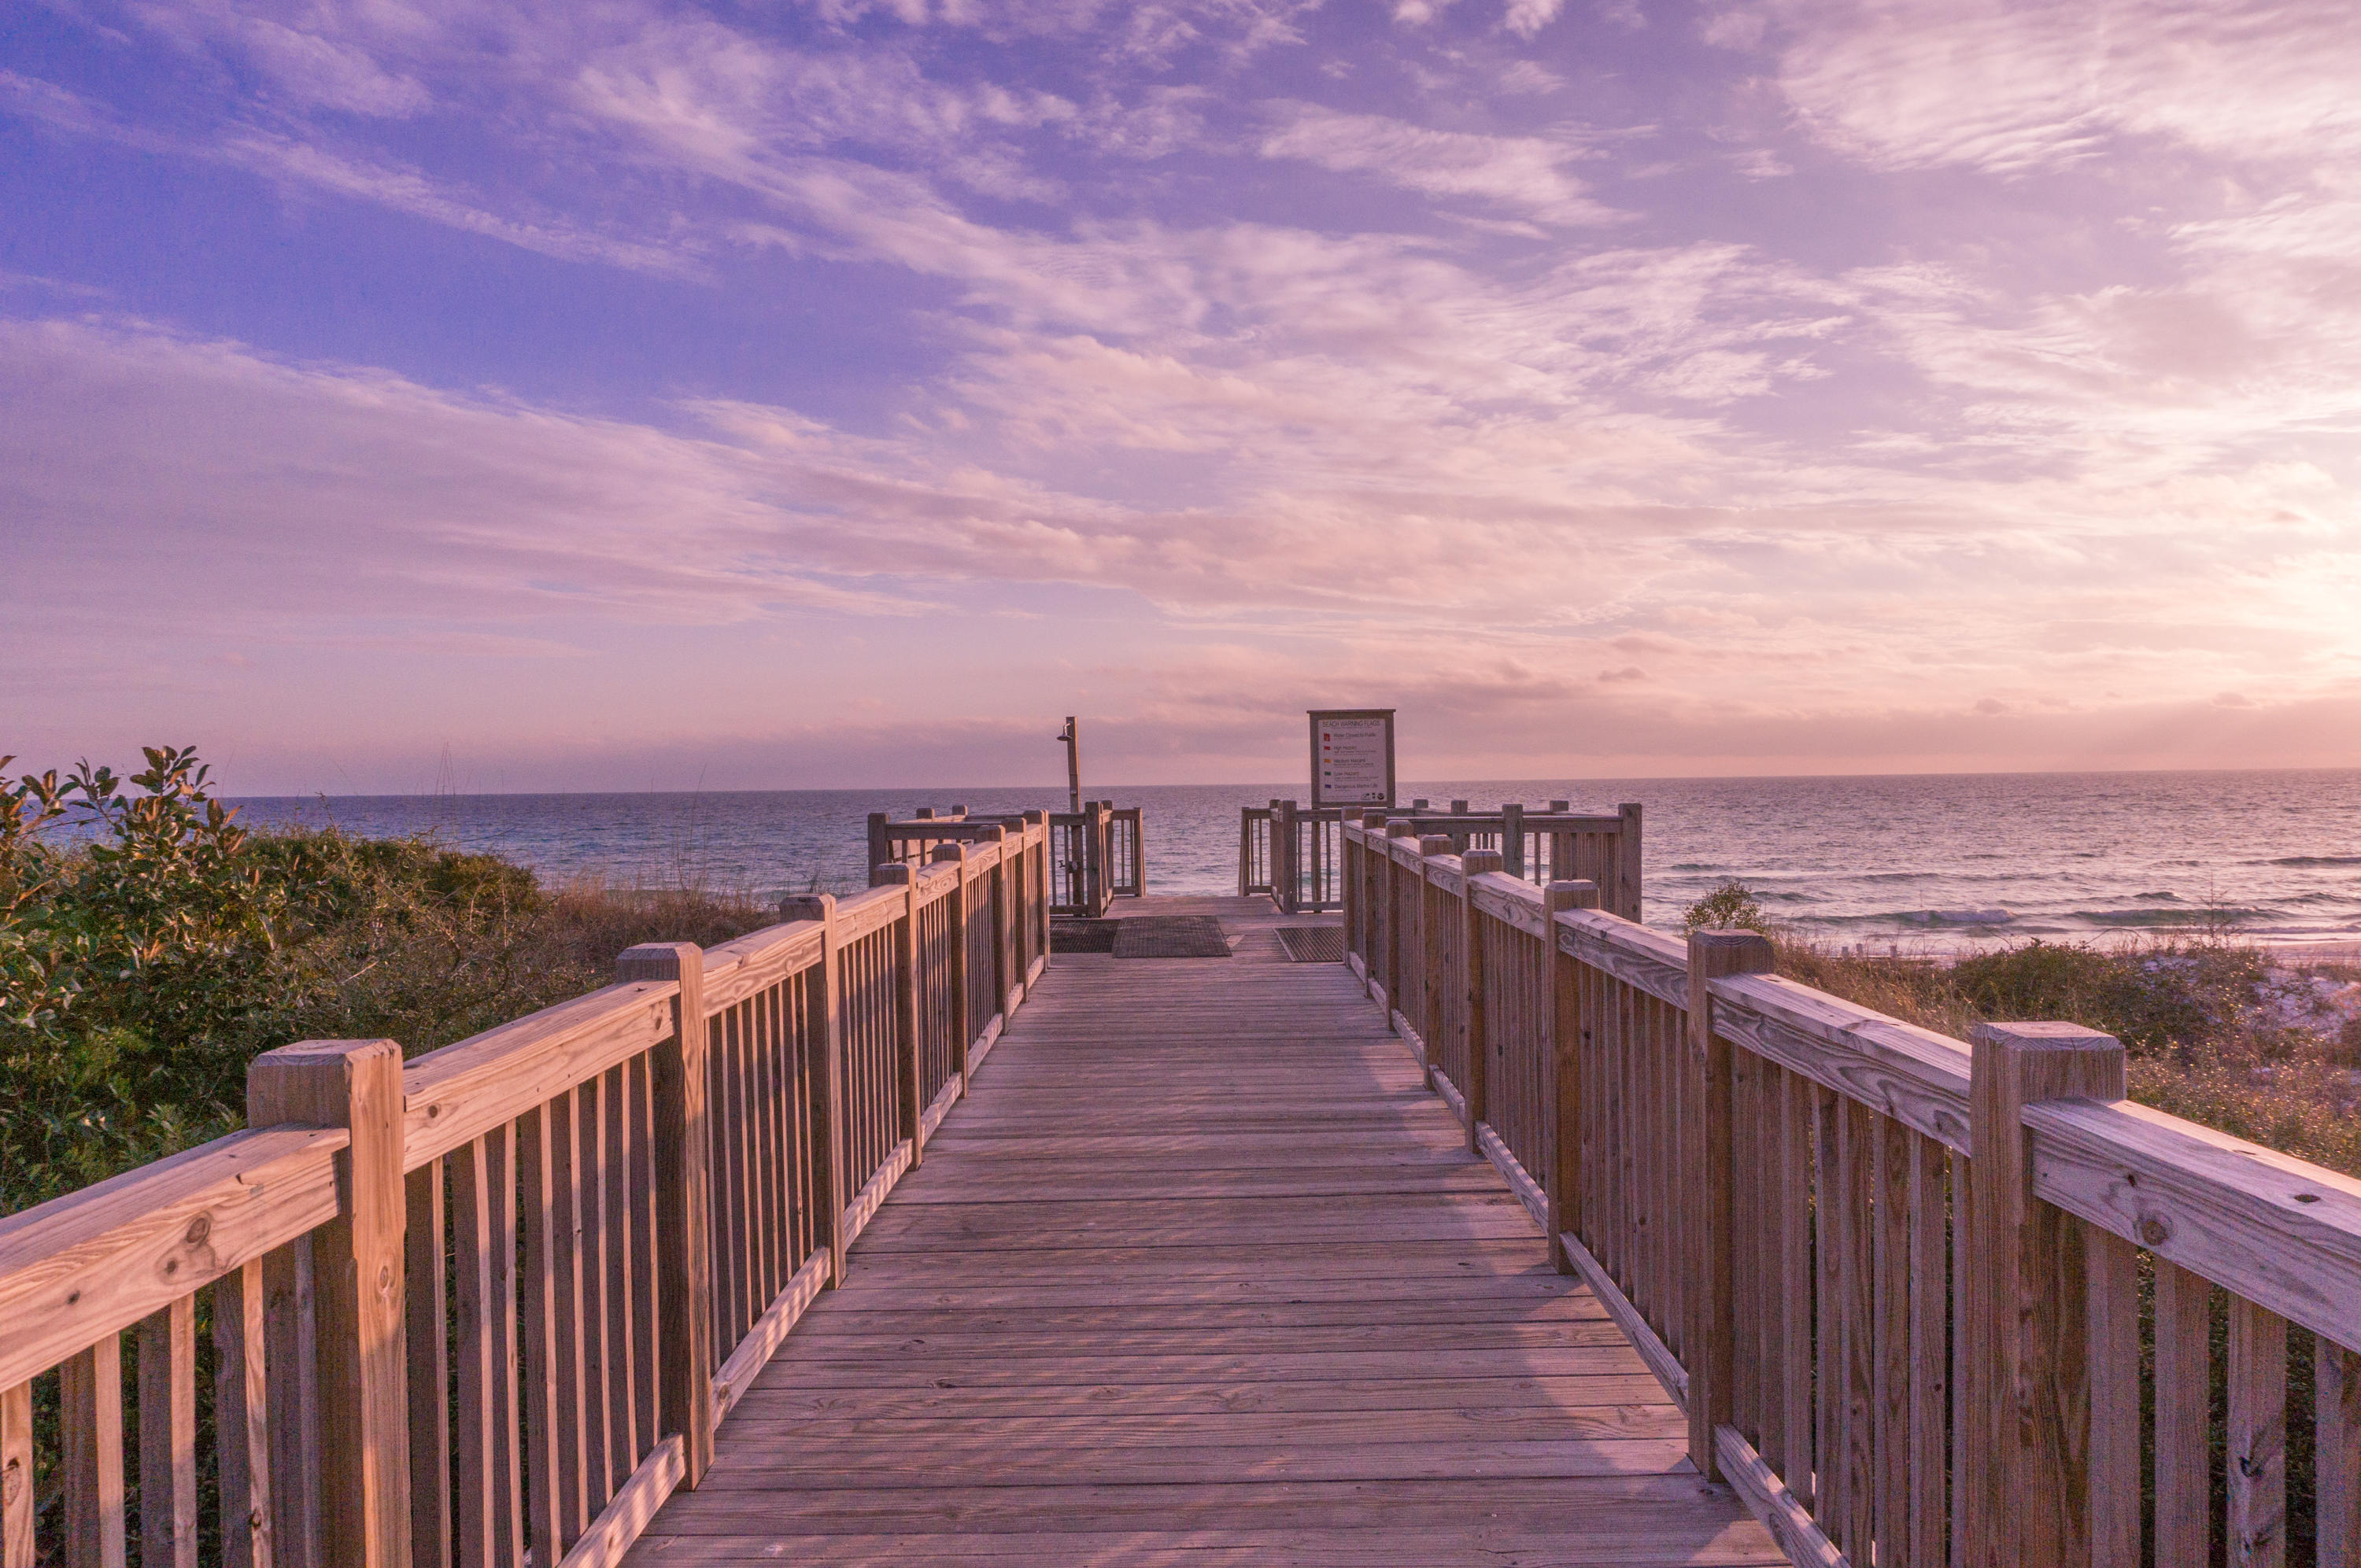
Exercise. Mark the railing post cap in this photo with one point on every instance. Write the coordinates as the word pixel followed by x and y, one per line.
pixel 893 873
pixel 655 960
pixel 1580 893
pixel 1561 806
pixel 1434 844
pixel 952 851
pixel 308 1053
pixel 1373 818
pixel 1036 818
pixel 1459 807
pixel 1480 861
pixel 1400 827
pixel 2043 1037
pixel 807 905
pixel 1732 951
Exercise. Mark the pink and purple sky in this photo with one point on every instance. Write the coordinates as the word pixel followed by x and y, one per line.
pixel 625 394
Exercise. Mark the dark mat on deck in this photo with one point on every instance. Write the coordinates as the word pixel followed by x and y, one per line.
pixel 1313 944
pixel 1171 937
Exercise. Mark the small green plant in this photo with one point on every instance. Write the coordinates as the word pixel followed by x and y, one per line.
pixel 1733 906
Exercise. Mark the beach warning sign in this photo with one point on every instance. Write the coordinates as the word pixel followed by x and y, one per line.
pixel 1352 756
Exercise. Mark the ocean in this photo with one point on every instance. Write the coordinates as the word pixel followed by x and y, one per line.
pixel 1933 862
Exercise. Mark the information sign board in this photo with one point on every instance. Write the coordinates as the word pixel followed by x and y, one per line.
pixel 1352 756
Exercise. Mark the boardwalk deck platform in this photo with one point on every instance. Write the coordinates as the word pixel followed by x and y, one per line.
pixel 973 1257
pixel 1201 1271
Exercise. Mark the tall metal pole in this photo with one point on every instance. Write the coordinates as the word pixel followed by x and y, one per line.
pixel 1073 738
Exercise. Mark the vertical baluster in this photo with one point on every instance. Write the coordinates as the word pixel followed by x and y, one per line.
pixel 90 1392
pixel 429 1371
pixel 655 1318
pixel 168 1437
pixel 566 1352
pixel 488 1503
pixel 620 1256
pixel 18 1500
pixel 1767 1343
pixel 599 1475
pixel 2184 1380
pixel 291 1328
pixel 1795 1282
pixel 1890 1371
pixel 1856 1168
pixel 2336 1424
pixel 2256 1464
pixel 1830 1261
pixel 1930 1308
pixel 242 1416
pixel 2112 1268
pixel 544 1510
pixel 1745 1161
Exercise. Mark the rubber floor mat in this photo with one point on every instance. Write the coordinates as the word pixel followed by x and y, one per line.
pixel 1313 944
pixel 1171 937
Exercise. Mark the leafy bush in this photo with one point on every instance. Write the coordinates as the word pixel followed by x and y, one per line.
pixel 150 948
pixel 1733 906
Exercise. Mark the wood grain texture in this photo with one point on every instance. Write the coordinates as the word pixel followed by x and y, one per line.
pixel 17 1546
pixel 98 1261
pixel 358 1270
pixel 1199 1265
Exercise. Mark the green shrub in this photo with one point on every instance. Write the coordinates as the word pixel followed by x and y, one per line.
pixel 1733 906
pixel 150 948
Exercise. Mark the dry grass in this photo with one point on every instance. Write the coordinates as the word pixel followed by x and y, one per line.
pixel 2205 1026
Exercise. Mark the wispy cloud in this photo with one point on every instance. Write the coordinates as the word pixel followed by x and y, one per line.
pixel 1526 174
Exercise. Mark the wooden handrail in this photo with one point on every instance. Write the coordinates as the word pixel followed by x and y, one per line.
pixel 1819 1276
pixel 665 1161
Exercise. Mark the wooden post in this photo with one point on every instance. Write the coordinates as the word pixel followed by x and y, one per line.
pixel 683 1202
pixel 880 850
pixel 828 1092
pixel 358 1288
pixel 1626 902
pixel 1710 1320
pixel 1283 828
pixel 906 1064
pixel 2024 1356
pixel 996 906
pixel 1473 864
pixel 1246 850
pixel 1432 978
pixel 1035 912
pixel 963 1027
pixel 1512 838
pixel 1559 1011
pixel 1396 828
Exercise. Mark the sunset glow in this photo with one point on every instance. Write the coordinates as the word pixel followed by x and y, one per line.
pixel 614 396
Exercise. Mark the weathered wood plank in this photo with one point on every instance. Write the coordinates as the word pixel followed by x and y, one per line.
pixel 1194 1253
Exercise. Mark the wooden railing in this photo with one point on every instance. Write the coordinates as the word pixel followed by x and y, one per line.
pixel 1096 855
pixel 1295 853
pixel 488 1307
pixel 1924 1302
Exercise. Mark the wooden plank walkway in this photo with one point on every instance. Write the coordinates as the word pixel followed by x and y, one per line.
pixel 1203 1273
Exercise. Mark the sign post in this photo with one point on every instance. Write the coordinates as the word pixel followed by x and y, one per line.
pixel 1352 756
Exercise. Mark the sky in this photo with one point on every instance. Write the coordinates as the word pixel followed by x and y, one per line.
pixel 397 395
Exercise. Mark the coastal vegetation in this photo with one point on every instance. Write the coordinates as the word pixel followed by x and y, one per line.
pixel 151 946
pixel 2261 1047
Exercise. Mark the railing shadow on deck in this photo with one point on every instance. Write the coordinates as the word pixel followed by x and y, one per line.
pixel 1923 1302
pixel 489 1306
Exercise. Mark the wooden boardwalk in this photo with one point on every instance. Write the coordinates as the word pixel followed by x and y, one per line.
pixel 1202 1272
